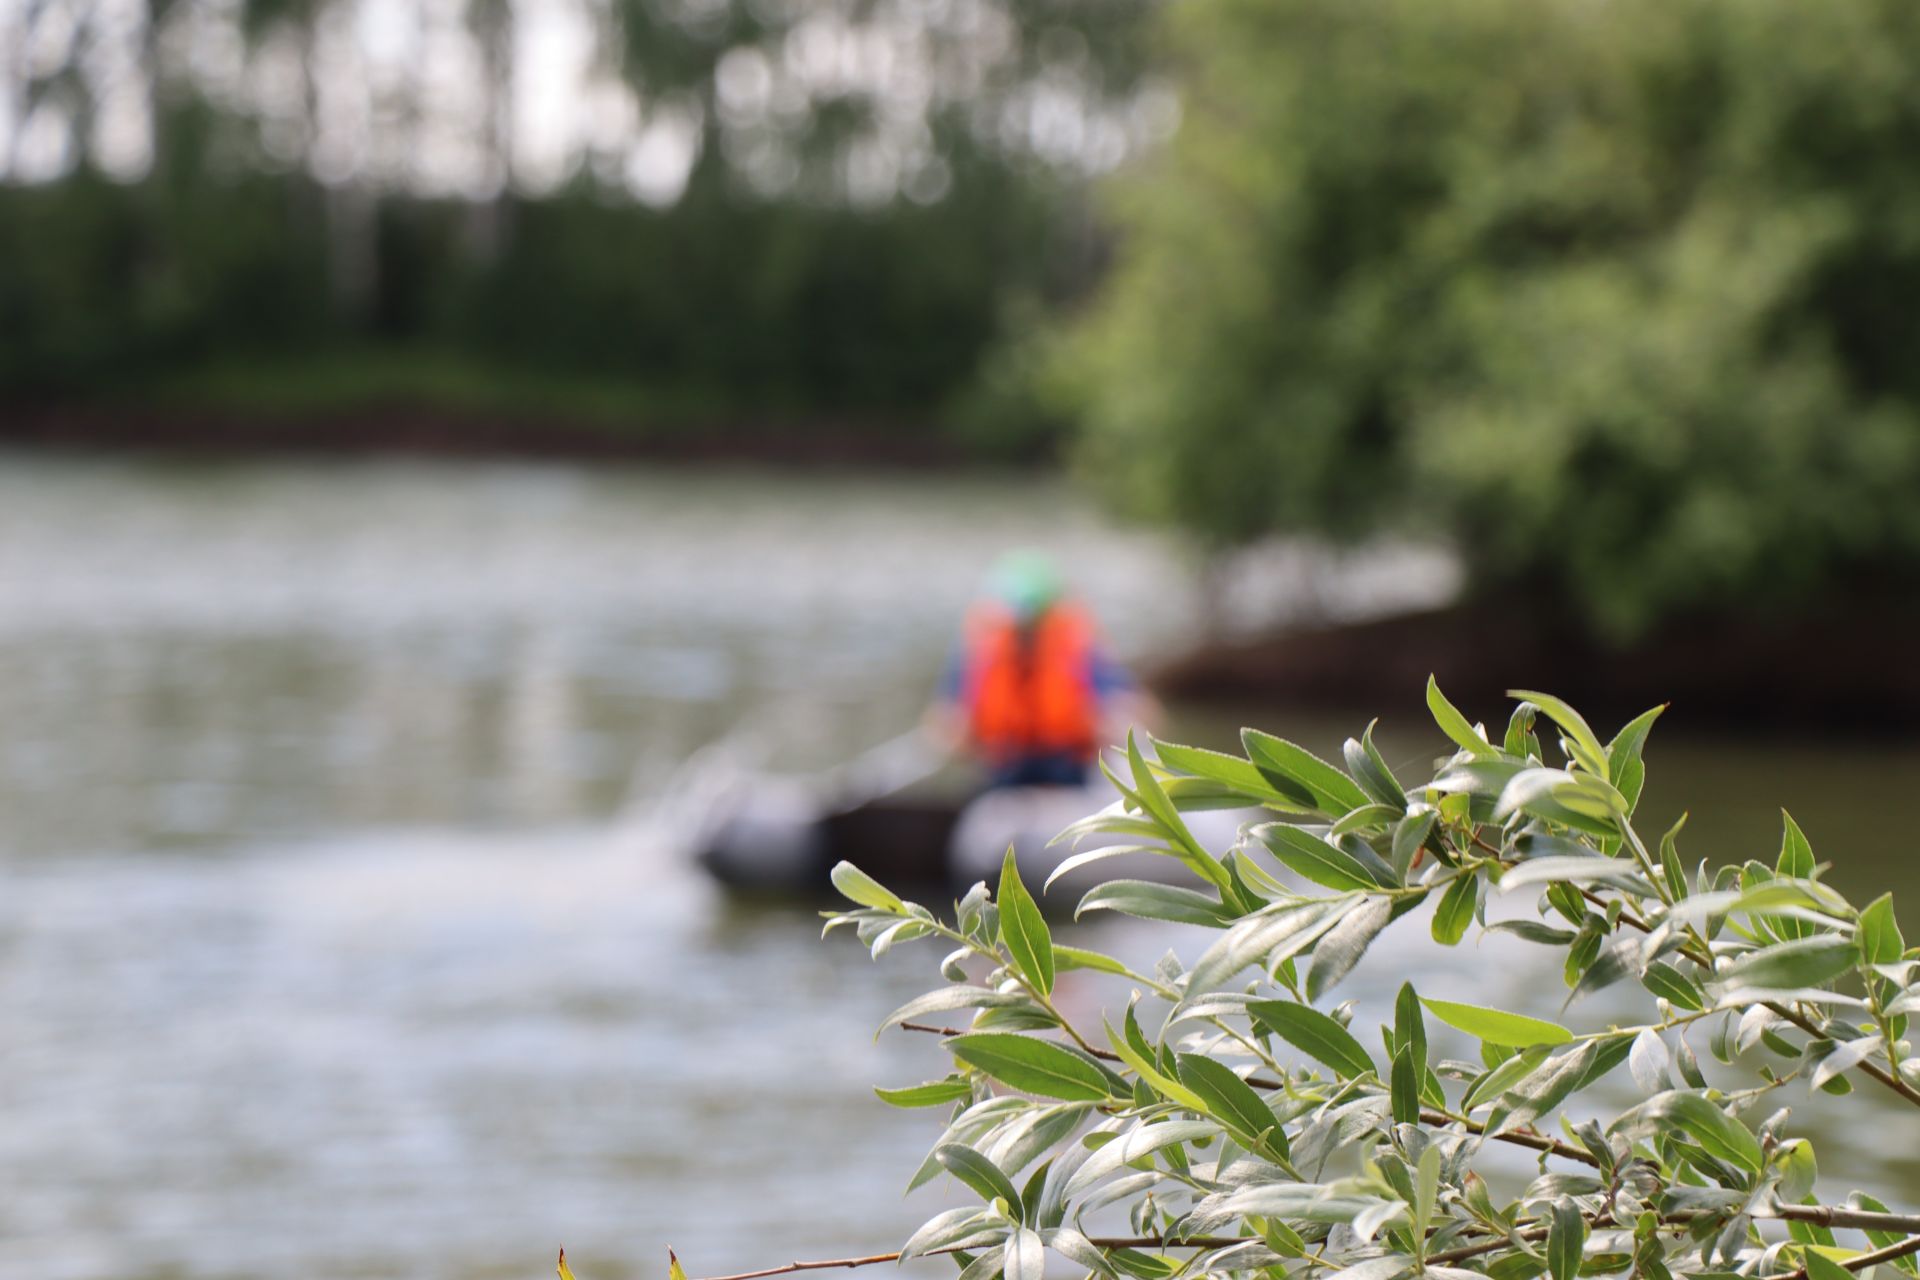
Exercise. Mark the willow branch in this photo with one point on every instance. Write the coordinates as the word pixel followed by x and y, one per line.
pixel 1518 1138
pixel 1823 1215
pixel 1101 1242
pixel 1865 1260
pixel 1879 1073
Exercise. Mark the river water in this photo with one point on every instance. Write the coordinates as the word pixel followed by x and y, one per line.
pixel 336 935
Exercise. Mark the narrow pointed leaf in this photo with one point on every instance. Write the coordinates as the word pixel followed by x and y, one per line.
pixel 1032 1065
pixel 1455 725
pixel 1023 930
pixel 1302 775
pixel 1516 1030
pixel 1312 858
pixel 1314 1034
pixel 979 1173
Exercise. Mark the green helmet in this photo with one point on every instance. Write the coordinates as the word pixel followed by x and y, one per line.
pixel 1027 584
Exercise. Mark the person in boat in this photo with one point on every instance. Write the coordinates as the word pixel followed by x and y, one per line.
pixel 1032 692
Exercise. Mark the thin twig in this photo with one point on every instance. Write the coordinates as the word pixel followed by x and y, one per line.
pixel 1865 1260
pixel 1100 1242
pixel 1825 1215
pixel 1884 1076
pixel 1518 1137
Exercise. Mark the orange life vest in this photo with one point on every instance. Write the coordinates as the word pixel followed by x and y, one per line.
pixel 1029 692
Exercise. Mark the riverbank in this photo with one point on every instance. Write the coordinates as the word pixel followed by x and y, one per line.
pixel 1829 668
pixel 446 405
pixel 438 431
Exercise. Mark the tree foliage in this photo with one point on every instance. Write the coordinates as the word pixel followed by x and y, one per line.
pixel 1240 1122
pixel 856 199
pixel 1612 297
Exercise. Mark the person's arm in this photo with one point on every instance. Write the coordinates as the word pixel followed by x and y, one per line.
pixel 945 723
pixel 1124 703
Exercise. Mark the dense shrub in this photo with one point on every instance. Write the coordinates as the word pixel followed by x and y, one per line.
pixel 1616 297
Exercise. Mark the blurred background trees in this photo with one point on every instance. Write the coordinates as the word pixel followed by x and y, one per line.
pixel 1616 300
pixel 687 209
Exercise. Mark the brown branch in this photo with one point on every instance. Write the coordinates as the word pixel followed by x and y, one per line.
pixel 1824 1215
pixel 1532 1141
pixel 1820 1215
pixel 1879 1073
pixel 1099 1242
pixel 1865 1260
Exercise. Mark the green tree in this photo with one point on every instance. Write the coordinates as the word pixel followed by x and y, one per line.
pixel 1610 298
pixel 1247 1127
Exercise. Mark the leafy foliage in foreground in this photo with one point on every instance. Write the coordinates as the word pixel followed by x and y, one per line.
pixel 1239 1124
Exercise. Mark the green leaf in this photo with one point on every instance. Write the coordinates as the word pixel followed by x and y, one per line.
pixel 1341 947
pixel 1065 957
pixel 1314 1034
pixel 1022 928
pixel 1312 858
pixel 1519 741
pixel 1573 869
pixel 1879 933
pixel 1586 748
pixel 979 1173
pixel 1667 982
pixel 1409 1025
pixel 958 996
pixel 1409 837
pixel 931 1094
pixel 1151 797
pixel 1149 901
pixel 1555 1081
pixel 1513 1029
pixel 1844 1057
pixel 1625 769
pixel 1370 770
pixel 1233 1102
pixel 1404 1087
pixel 862 888
pixel 1503 1077
pixel 1804 962
pixel 1301 775
pixel 1026 1257
pixel 1143 1266
pixel 1796 855
pixel 1566 1240
pixel 1585 802
pixel 1132 1050
pixel 1455 912
pixel 1670 868
pixel 1241 775
pixel 1795 1163
pixel 1534 931
pixel 1032 1065
pixel 1453 724
pixel 1426 1189
pixel 1722 1136
pixel 1882 1239
pixel 1821 1267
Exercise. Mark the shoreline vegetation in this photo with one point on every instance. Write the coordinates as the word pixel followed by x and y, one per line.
pixel 1842 664
pixel 449 406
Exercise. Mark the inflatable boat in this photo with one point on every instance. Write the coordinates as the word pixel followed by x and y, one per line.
pixel 765 833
